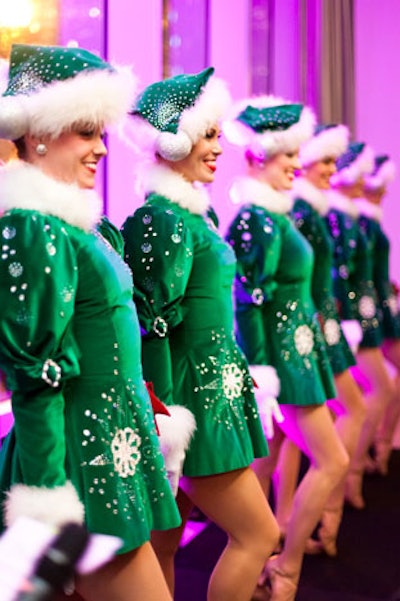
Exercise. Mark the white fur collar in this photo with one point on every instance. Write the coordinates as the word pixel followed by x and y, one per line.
pixel 342 203
pixel 161 180
pixel 250 190
pixel 23 186
pixel 369 209
pixel 304 189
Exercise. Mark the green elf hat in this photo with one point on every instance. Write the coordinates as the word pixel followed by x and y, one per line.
pixel 171 115
pixel 268 125
pixel 51 87
pixel 355 162
pixel 328 141
pixel 384 172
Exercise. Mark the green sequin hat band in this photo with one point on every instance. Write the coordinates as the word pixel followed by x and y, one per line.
pixel 50 88
pixel 383 174
pixel 355 162
pixel 328 141
pixel 268 125
pixel 171 115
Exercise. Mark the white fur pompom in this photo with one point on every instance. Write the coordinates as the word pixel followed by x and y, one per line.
pixel 13 118
pixel 53 506
pixel 173 147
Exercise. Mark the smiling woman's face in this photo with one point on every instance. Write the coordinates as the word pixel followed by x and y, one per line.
pixel 73 156
pixel 320 172
pixel 200 165
pixel 279 170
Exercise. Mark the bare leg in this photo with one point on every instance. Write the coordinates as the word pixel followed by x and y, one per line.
pixel 237 504
pixel 166 543
pixel 264 467
pixel 349 410
pixel 378 390
pixel 285 479
pixel 133 576
pixel 312 430
pixel 384 436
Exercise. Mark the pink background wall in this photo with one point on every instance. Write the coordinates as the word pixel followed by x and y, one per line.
pixel 377 98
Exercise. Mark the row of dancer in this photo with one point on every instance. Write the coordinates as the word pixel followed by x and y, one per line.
pixel 72 347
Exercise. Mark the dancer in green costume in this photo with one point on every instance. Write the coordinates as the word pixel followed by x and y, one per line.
pixel 276 317
pixel 353 283
pixel 84 447
pixel 183 272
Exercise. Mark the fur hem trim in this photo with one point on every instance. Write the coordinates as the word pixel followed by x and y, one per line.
pixel 96 96
pixel 23 186
pixel 162 180
pixel 266 380
pixel 361 166
pixel 249 190
pixel 369 209
pixel 271 143
pixel 53 506
pixel 331 142
pixel 381 178
pixel 304 189
pixel 342 203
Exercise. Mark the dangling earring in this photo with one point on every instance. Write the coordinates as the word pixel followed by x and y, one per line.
pixel 41 149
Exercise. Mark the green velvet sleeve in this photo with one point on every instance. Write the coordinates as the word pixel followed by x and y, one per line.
pixel 256 238
pixel 112 235
pixel 159 251
pixel 39 278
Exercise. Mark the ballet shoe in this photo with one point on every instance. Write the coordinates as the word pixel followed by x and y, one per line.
pixel 283 585
pixel 353 489
pixel 328 531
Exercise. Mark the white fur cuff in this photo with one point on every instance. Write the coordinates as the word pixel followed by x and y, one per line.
pixel 266 380
pixel 53 506
pixel 176 431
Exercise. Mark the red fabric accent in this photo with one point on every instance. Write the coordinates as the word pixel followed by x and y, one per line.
pixel 157 405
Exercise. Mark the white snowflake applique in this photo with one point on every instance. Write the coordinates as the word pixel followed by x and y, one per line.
pixel 125 449
pixel 304 340
pixel 232 381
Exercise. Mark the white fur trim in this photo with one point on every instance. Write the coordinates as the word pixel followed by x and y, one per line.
pixel 209 108
pixel 369 209
pixel 304 189
pixel 342 203
pixel 330 142
pixel 164 181
pixel 4 66
pixel 353 333
pixel 382 177
pixel 176 431
pixel 23 186
pixel 250 190
pixel 266 379
pixel 361 166
pixel 93 96
pixel 53 506
pixel 272 143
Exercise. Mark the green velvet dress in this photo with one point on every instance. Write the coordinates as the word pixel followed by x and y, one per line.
pixel 71 349
pixel 379 245
pixel 277 321
pixel 183 272
pixel 308 210
pixel 353 269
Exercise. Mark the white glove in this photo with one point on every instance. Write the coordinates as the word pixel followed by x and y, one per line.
pixel 269 410
pixel 353 333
